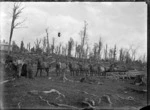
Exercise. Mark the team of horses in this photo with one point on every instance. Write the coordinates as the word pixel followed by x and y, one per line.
pixel 74 68
pixel 25 68
pixel 86 69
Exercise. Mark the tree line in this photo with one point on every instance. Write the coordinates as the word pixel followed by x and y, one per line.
pixel 80 50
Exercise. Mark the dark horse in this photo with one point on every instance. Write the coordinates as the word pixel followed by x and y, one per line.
pixel 42 66
pixel 74 68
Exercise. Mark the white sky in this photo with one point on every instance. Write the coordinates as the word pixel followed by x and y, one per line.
pixel 122 23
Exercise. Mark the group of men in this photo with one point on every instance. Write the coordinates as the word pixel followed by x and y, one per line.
pixel 20 67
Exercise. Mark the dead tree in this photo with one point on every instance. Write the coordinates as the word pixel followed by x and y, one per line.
pixel 28 47
pixel 95 49
pixel 127 56
pixel 16 11
pixel 70 46
pixel 63 50
pixel 15 47
pixel 114 53
pixel 76 49
pixel 44 41
pixel 59 48
pixel 37 46
pixel 121 55
pixel 110 54
pixel 133 52
pixel 83 35
pixel 106 52
pixel 66 49
pixel 87 50
pixel 53 45
pixel 48 47
pixel 21 46
pixel 99 48
pixel 79 51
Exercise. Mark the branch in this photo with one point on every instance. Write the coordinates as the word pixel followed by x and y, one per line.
pixel 19 10
pixel 19 23
pixel 20 27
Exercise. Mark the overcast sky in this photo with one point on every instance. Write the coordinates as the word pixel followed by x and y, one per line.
pixel 120 23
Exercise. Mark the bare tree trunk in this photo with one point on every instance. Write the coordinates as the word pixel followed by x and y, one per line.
pixel 48 47
pixel 17 10
pixel 11 33
pixel 105 52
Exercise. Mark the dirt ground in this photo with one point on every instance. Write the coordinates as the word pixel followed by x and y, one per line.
pixel 71 93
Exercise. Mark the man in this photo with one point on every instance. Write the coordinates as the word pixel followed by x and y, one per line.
pixel 58 67
pixel 24 70
pixel 29 70
pixel 19 64
pixel 39 67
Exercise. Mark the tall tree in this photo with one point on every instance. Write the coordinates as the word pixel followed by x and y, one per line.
pixel 44 41
pixel 15 47
pixel 106 52
pixel 37 46
pixel 110 54
pixel 53 44
pixel 16 11
pixel 83 35
pixel 48 47
pixel 114 52
pixel 99 48
pixel 70 46
pixel 87 50
pixel 59 48
pixel 76 44
pixel 121 55
pixel 95 51
pixel 22 46
pixel 28 47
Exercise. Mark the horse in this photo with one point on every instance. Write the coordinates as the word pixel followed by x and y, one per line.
pixel 61 68
pixel 93 69
pixel 85 69
pixel 101 71
pixel 74 68
pixel 42 65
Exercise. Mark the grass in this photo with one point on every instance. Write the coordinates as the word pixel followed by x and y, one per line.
pixel 16 94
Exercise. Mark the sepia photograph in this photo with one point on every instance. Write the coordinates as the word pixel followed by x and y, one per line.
pixel 73 55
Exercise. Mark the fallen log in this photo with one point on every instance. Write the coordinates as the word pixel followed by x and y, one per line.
pixel 7 81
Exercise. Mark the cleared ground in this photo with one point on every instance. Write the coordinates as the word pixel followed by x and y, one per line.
pixel 54 92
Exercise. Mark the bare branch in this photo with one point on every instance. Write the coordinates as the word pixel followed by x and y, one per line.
pixel 19 12
pixel 19 23
pixel 21 27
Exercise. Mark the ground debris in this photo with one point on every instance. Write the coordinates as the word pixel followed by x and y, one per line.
pixel 19 105
pixel 56 91
pixel 47 101
pixel 87 93
pixel 33 92
pixel 105 99
pixel 57 105
pixel 7 81
pixel 126 98
pixel 87 80
pixel 64 78
pixel 91 101
pixel 100 83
